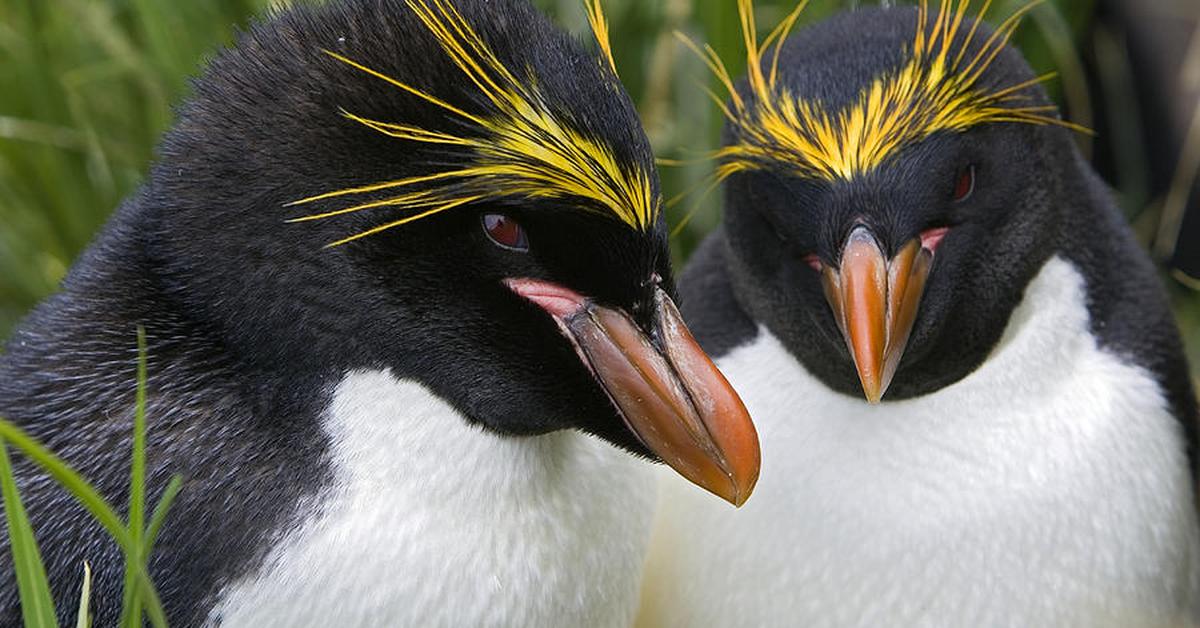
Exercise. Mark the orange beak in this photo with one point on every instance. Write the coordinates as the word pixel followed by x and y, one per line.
pixel 670 394
pixel 875 301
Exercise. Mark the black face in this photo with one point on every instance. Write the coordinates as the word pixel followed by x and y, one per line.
pixel 472 339
pixel 460 300
pixel 978 200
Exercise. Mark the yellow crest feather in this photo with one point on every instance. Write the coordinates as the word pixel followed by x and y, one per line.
pixel 936 90
pixel 518 148
pixel 599 23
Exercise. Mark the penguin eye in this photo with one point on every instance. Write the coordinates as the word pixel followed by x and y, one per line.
pixel 505 232
pixel 965 184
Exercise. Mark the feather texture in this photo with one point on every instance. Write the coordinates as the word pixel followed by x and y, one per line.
pixel 518 148
pixel 937 89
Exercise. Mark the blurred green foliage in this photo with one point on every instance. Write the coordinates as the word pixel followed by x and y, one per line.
pixel 87 86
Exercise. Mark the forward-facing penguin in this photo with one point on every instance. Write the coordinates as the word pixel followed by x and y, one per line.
pixel 399 263
pixel 970 392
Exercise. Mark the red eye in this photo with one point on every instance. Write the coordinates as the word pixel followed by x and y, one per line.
pixel 965 184
pixel 505 232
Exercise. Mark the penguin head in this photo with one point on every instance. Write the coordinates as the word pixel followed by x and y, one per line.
pixel 455 191
pixel 890 191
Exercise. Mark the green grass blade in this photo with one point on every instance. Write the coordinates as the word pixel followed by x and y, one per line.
pixel 131 609
pixel 90 499
pixel 83 619
pixel 37 605
pixel 69 479
pixel 160 512
pixel 150 601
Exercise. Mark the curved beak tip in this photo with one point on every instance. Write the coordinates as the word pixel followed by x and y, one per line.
pixel 718 449
pixel 872 393
pixel 743 495
pixel 874 302
pixel 670 394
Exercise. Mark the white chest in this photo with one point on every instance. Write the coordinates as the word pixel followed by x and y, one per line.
pixel 1050 487
pixel 433 522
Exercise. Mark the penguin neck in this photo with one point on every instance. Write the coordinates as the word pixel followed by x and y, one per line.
pixel 445 523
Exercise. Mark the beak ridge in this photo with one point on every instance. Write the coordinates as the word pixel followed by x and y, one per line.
pixel 875 303
pixel 673 399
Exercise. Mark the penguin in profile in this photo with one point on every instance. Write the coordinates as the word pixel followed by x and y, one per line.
pixel 403 270
pixel 970 391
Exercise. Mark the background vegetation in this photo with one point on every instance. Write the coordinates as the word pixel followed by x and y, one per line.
pixel 87 86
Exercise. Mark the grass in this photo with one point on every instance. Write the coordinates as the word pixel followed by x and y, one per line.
pixel 86 88
pixel 37 605
pixel 134 537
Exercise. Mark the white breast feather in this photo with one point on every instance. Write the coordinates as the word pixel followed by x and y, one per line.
pixel 1048 488
pixel 434 522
